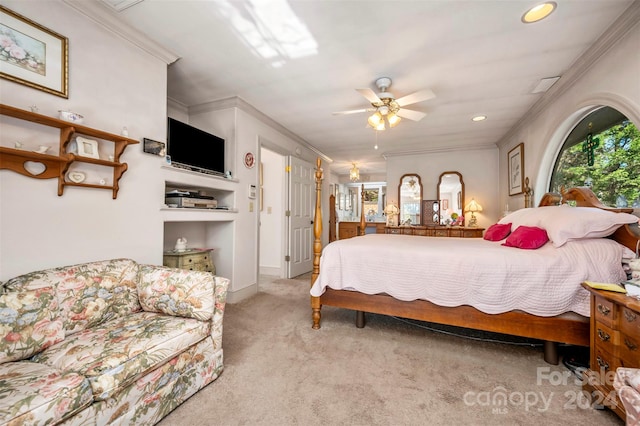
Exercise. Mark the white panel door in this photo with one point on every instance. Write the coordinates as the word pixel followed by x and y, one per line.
pixel 300 224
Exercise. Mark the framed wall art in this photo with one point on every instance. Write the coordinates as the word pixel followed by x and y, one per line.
pixel 87 147
pixel 515 162
pixel 33 55
pixel 153 147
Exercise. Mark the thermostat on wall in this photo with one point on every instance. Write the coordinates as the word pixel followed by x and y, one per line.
pixel 252 191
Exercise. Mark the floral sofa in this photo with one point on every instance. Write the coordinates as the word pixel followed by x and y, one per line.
pixel 109 342
pixel 627 384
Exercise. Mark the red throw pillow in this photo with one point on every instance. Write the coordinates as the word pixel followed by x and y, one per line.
pixel 527 237
pixel 497 232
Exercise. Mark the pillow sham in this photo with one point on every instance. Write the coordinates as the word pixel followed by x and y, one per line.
pixel 527 237
pixel 564 223
pixel 497 232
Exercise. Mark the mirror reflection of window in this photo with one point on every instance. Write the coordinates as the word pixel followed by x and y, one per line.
pixel 410 196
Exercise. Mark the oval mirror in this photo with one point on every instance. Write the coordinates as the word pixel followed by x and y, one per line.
pixel 410 198
pixel 451 197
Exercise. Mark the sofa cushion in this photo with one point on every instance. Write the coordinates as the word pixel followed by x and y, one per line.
pixel 89 293
pixel 176 292
pixel 116 353
pixel 35 393
pixel 29 323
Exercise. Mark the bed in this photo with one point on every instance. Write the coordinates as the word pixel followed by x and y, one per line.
pixel 458 288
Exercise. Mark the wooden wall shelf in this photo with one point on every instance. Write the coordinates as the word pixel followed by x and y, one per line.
pixel 56 166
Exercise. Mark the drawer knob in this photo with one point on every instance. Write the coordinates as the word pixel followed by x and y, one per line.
pixel 604 310
pixel 629 344
pixel 603 335
pixel 629 316
pixel 602 363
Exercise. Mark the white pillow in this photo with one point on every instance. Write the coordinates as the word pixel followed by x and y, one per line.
pixel 565 223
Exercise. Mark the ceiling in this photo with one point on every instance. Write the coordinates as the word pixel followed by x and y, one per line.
pixel 298 61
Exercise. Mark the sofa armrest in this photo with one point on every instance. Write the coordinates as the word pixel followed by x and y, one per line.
pixel 179 292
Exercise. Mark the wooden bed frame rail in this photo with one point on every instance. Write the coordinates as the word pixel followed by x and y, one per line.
pixel 570 329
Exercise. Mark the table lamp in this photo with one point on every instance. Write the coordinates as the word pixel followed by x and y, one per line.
pixel 473 207
pixel 391 210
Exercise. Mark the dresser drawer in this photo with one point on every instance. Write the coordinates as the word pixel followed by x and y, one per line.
pixel 630 322
pixel 441 233
pixel 392 230
pixel 605 337
pixel 629 350
pixel 604 311
pixel 604 362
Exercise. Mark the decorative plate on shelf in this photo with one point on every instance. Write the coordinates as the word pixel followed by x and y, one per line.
pixel 76 177
pixel 249 160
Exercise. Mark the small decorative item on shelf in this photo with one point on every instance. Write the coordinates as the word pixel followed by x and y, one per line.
pixel 33 108
pixel 125 131
pixel 112 158
pixel 76 176
pixel 87 147
pixel 18 145
pixel 103 181
pixel 70 116
pixel 42 149
pixel 181 244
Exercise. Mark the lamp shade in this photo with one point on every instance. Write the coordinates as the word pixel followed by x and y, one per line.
pixel 473 206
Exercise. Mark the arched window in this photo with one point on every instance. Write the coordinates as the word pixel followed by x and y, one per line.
pixel 602 152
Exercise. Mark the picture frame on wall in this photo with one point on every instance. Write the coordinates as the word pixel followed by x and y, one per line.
pixel 153 147
pixel 515 163
pixel 37 57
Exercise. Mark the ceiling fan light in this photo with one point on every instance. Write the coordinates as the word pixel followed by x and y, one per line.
pixel 374 119
pixel 393 119
pixel 380 126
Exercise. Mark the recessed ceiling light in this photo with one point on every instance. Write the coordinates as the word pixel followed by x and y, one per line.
pixel 539 12
pixel 479 118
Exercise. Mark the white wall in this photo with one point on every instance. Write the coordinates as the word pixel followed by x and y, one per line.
pixel 479 169
pixel 614 80
pixel 113 84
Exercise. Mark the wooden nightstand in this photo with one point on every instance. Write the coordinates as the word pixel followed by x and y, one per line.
pixel 615 342
pixel 192 259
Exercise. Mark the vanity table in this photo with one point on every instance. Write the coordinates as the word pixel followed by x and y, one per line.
pixel 436 231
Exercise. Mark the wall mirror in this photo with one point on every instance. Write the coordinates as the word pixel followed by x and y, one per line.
pixel 410 199
pixel 451 196
pixel 374 201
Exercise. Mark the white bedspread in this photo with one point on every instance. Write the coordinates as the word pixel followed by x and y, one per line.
pixel 472 271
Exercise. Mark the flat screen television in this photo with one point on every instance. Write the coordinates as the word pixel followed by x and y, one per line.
pixel 194 149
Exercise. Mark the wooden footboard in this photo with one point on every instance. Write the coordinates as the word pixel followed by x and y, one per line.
pixel 572 329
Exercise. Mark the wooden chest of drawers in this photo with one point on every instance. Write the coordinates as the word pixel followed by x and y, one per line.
pixel 193 260
pixel 615 342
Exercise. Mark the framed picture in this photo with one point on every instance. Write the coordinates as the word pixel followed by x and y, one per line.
pixel 445 204
pixel 515 162
pixel 153 147
pixel 87 147
pixel 35 56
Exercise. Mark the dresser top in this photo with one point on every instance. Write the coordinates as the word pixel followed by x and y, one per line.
pixel 619 298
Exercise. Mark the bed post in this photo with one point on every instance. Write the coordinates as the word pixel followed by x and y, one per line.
pixel 363 223
pixel 317 244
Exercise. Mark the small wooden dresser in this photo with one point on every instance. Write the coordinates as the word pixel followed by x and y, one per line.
pixel 615 342
pixel 192 259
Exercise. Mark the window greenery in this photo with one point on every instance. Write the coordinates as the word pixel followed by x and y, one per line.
pixel 615 174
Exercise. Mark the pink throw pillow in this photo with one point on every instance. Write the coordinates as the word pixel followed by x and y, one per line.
pixel 527 237
pixel 497 232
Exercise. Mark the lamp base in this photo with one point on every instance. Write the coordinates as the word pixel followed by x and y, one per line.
pixel 473 222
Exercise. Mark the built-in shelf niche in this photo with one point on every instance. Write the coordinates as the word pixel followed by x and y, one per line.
pixel 216 235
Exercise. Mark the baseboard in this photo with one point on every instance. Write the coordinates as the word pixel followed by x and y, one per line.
pixel 243 293
pixel 273 271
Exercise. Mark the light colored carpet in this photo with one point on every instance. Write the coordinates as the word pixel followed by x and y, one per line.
pixel 278 371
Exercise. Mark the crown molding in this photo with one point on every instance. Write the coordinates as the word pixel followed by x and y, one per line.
pixel 101 14
pixel 435 150
pixel 172 103
pixel 625 22
pixel 238 102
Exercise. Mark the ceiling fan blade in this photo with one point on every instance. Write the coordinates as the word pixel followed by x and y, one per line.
pixel 411 114
pixel 419 96
pixel 370 95
pixel 353 111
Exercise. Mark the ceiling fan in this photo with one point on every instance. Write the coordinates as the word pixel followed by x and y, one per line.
pixel 385 105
